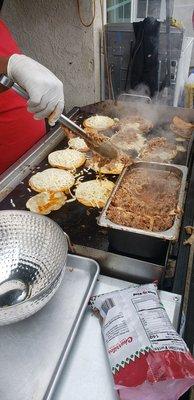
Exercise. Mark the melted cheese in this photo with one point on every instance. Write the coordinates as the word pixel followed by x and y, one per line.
pixel 99 122
pixel 67 159
pixel 45 202
pixel 94 193
pixel 52 180
pixel 78 144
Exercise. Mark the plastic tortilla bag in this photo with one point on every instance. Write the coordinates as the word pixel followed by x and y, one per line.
pixel 149 360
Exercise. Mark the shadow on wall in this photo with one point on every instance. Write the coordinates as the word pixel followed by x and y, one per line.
pixel 52 33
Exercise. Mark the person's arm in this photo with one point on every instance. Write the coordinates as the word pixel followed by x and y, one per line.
pixel 45 90
pixel 3 70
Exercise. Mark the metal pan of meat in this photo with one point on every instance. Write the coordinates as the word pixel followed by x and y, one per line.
pixel 148 199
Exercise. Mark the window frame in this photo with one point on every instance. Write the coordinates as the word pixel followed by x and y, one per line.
pixel 119 22
pixel 134 5
pixel 162 11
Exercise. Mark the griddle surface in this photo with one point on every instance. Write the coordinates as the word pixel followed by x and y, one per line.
pixel 78 221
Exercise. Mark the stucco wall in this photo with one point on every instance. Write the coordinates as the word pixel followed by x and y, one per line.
pixel 51 32
pixel 183 11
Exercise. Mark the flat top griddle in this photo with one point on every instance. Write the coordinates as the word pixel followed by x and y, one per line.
pixel 78 221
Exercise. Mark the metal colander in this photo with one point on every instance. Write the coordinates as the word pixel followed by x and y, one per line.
pixel 33 252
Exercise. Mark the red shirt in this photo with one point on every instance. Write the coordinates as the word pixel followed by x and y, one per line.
pixel 18 130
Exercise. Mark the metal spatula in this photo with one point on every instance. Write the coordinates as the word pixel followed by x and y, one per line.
pixel 104 149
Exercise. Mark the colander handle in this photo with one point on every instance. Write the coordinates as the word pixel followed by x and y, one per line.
pixel 70 245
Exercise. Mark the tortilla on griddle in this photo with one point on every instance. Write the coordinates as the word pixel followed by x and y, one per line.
pixel 181 127
pixel 99 122
pixel 127 139
pixel 137 123
pixel 94 193
pixel 113 167
pixel 158 150
pixel 45 202
pixel 52 180
pixel 67 159
pixel 79 144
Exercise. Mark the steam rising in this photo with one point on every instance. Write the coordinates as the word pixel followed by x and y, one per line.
pixel 160 116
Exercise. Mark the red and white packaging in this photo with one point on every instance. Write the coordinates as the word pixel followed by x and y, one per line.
pixel 149 360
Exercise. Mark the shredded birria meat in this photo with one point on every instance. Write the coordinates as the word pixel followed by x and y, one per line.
pixel 146 199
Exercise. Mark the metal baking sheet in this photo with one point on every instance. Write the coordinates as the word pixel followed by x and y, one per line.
pixel 87 374
pixel 34 351
pixel 170 234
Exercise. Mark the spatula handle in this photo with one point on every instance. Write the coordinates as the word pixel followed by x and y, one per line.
pixel 104 149
pixel 7 82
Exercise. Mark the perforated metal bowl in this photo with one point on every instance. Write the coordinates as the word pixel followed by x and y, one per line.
pixel 33 252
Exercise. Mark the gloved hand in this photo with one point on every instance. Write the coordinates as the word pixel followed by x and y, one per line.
pixel 45 90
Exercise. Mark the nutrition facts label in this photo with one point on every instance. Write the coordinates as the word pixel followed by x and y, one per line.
pixel 157 326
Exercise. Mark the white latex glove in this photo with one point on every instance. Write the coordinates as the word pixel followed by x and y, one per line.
pixel 45 90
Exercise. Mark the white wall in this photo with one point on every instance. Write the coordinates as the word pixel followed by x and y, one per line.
pixel 183 10
pixel 51 32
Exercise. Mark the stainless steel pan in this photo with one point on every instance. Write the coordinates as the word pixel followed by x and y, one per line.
pixel 170 234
